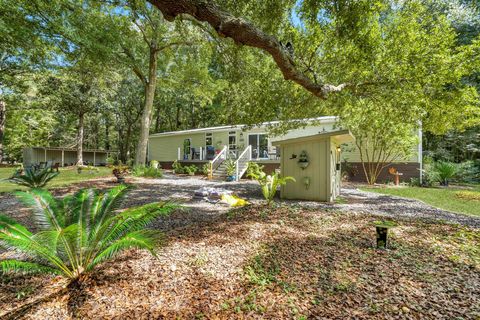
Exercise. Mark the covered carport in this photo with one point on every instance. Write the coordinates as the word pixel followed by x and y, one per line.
pixel 64 156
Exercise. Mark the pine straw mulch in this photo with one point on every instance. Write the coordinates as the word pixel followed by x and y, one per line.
pixel 281 263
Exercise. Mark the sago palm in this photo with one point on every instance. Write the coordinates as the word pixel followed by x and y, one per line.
pixel 33 178
pixel 78 232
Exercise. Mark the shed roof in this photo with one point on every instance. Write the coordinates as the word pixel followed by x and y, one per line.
pixel 341 136
pixel 71 149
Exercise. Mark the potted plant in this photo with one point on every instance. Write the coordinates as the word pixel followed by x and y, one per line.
pixel 303 161
pixel 120 172
pixel 230 169
pixel 382 227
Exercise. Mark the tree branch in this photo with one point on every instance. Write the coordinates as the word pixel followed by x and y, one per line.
pixel 243 32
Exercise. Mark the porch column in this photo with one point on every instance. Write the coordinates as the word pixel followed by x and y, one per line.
pixel 201 153
pixel 178 154
pixel 94 158
pixel 45 154
pixel 63 158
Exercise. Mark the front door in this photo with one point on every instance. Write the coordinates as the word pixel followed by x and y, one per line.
pixel 259 143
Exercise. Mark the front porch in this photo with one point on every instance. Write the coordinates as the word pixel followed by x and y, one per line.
pixel 205 154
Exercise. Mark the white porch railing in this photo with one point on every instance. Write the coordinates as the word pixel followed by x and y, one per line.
pixel 217 161
pixel 241 164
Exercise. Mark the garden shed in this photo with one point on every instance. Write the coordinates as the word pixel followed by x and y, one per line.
pixel 314 162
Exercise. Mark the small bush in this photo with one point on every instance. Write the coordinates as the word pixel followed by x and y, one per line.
pixel 190 169
pixel 147 172
pixel 206 169
pixel 177 167
pixel 468 195
pixel 445 171
pixel 414 182
pixel 469 172
pixel 254 170
pixel 33 178
pixel 155 164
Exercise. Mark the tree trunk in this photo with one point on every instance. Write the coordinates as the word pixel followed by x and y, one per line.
pixel 107 134
pixel 3 118
pixel 141 154
pixel 81 117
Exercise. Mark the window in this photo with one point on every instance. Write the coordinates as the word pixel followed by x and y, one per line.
pixel 208 139
pixel 232 140
pixel 259 143
pixel 186 148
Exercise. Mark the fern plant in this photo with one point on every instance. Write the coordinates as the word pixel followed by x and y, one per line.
pixel 33 178
pixel 270 184
pixel 78 232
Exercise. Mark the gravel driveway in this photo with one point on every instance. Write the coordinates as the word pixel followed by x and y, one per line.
pixel 182 189
pixel 358 201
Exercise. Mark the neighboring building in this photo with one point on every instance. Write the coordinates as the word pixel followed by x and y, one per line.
pixel 200 146
pixel 63 156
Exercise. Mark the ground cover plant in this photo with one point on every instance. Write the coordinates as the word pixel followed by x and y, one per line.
pixel 67 176
pixel 454 198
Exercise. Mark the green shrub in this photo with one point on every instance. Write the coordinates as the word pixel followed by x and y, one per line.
pixel 78 232
pixel 206 169
pixel 147 172
pixel 430 175
pixel 254 170
pixel 190 169
pixel 270 184
pixel 155 164
pixel 33 178
pixel 414 182
pixel 445 171
pixel 177 167
pixel 469 172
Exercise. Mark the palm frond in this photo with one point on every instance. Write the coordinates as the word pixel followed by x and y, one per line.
pixel 141 239
pixel 110 202
pixel 17 266
pixel 44 208
pixel 137 218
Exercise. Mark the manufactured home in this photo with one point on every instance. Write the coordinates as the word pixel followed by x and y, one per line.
pixel 243 143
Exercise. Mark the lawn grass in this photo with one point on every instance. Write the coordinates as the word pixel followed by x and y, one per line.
pixel 67 176
pixel 443 198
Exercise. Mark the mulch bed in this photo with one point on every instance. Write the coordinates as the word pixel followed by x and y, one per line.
pixel 280 263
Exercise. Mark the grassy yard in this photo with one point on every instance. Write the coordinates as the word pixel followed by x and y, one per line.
pixel 67 176
pixel 445 198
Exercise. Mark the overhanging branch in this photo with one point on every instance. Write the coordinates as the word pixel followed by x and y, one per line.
pixel 244 32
